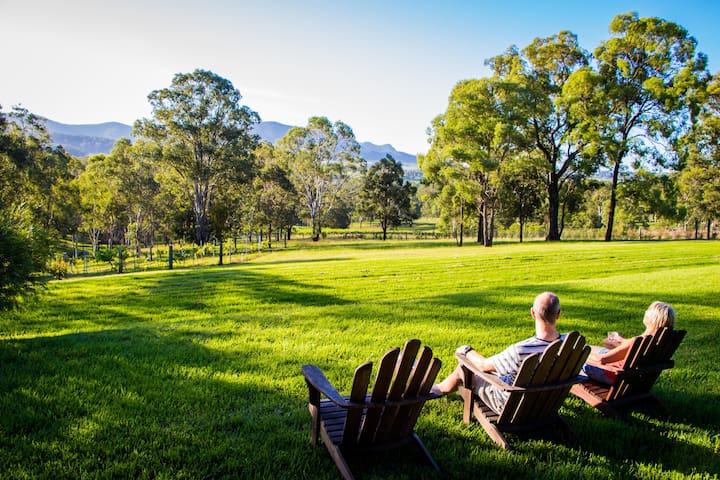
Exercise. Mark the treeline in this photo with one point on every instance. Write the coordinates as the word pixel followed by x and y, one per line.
pixel 196 172
pixel 533 141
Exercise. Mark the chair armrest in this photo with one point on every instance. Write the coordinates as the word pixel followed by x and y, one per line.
pixel 315 377
pixel 488 377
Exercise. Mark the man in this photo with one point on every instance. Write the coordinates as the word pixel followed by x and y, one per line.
pixel 545 311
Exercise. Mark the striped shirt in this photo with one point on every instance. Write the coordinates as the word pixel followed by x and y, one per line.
pixel 507 363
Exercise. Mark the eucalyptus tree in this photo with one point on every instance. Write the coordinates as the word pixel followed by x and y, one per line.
pixel 320 158
pixel 276 201
pixel 648 70
pixel 205 134
pixel 520 192
pixel 700 150
pixel 478 133
pixel 646 197
pixel 539 74
pixel 385 195
pixel 136 197
pixel 455 191
pixel 97 186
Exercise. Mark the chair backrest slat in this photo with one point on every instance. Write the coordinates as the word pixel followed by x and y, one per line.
pixel 380 389
pixel 358 393
pixel 523 378
pixel 413 412
pixel 403 370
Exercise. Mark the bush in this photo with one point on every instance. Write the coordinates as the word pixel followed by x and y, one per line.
pixel 23 254
pixel 58 268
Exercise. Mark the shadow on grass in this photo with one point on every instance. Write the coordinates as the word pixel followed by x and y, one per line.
pixel 136 403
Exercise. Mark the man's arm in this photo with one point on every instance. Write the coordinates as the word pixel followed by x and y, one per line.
pixel 480 362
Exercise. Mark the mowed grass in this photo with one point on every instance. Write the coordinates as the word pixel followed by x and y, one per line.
pixel 196 373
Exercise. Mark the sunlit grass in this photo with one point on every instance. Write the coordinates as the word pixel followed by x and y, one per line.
pixel 195 373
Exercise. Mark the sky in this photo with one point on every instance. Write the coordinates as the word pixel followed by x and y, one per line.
pixel 384 67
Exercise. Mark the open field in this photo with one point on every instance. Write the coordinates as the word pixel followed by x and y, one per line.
pixel 196 373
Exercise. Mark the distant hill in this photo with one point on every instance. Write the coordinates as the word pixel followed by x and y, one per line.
pixel 84 140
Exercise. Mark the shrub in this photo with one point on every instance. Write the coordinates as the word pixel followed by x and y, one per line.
pixel 58 268
pixel 23 254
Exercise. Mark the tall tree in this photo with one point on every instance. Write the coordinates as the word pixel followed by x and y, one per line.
pixel 539 74
pixel 205 133
pixel 521 190
pixel 479 132
pixel 276 202
pixel 648 67
pixel 97 186
pixel 385 195
pixel 320 157
pixel 30 170
pixel 700 154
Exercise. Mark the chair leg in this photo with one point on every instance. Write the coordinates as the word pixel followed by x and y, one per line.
pixel 492 431
pixel 425 451
pixel 466 395
pixel 340 461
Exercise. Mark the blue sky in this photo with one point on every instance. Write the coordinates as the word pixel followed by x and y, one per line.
pixel 385 68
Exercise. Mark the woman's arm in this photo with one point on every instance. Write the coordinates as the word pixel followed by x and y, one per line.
pixel 615 355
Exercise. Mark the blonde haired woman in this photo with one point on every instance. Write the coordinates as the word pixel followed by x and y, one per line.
pixel 657 316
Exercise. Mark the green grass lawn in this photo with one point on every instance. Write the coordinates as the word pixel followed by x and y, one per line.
pixel 196 373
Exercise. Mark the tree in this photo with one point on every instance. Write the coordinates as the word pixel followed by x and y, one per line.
pixel 520 191
pixel 320 157
pixel 646 196
pixel 647 69
pixel 205 134
pixel 385 196
pixel 96 186
pixel 455 191
pixel 699 179
pixel 275 196
pixel 27 203
pixel 539 74
pixel 478 133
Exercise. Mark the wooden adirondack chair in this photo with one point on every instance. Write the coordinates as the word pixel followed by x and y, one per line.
pixel 647 357
pixel 383 419
pixel 541 385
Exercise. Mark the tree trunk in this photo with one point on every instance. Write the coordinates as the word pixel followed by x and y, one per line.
pixel 170 256
pixel 697 228
pixel 462 222
pixel 553 208
pixel 521 220
pixel 613 201
pixel 709 224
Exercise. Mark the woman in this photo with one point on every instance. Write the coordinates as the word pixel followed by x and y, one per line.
pixel 657 316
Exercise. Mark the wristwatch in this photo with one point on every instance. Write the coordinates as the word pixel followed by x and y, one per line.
pixel 466 349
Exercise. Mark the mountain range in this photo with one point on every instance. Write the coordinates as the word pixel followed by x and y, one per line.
pixel 84 140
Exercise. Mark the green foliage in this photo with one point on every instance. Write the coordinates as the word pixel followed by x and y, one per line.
pixel 320 159
pixel 106 255
pixel 23 252
pixel 205 135
pixel 196 373
pixel 58 268
pixel 385 196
